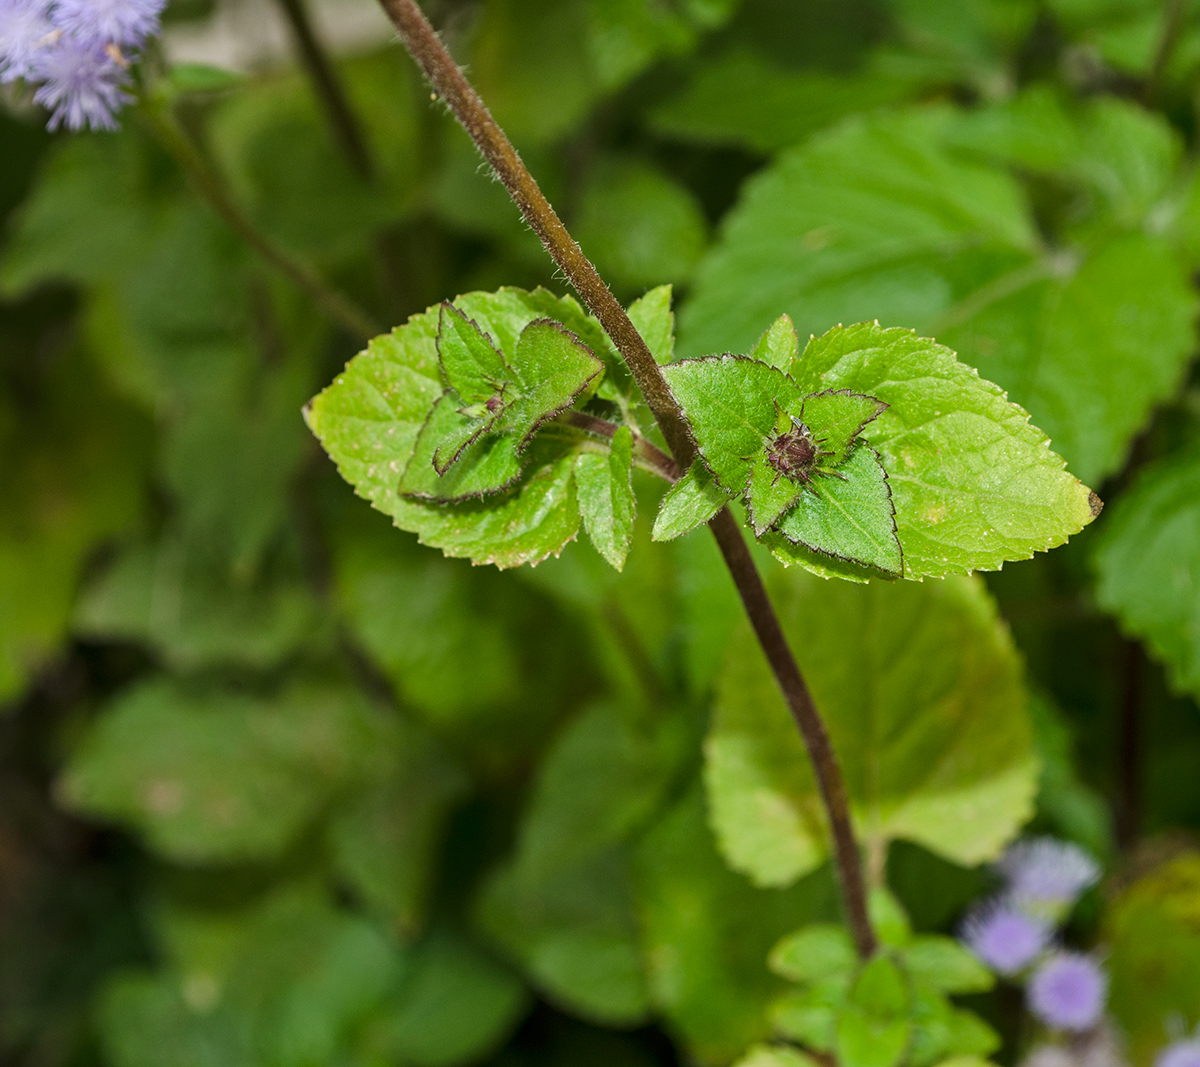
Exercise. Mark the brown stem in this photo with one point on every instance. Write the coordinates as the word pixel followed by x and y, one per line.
pixel 663 464
pixel 1172 24
pixel 441 70
pixel 812 727
pixel 342 120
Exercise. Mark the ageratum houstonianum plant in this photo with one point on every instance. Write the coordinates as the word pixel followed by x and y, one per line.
pixel 496 425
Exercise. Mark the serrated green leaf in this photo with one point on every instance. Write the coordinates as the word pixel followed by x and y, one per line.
pixel 475 465
pixel 1148 562
pixel 606 504
pixel 933 738
pixel 689 503
pixel 370 418
pixel 849 515
pixel 470 363
pixel 864 1040
pixel 655 321
pixel 553 367
pixel 837 417
pixel 814 953
pixel 973 483
pixel 881 219
pixel 880 989
pixel 731 404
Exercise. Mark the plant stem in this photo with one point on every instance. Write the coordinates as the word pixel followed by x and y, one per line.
pixel 1173 13
pixel 342 120
pixel 209 185
pixel 443 73
pixel 664 466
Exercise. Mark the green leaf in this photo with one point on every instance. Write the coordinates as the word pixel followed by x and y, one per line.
pixel 474 465
pixel 814 953
pixel 606 504
pixel 639 225
pixel 689 503
pixel 385 835
pixel 470 363
pixel 173 600
pixel 779 345
pixel 776 1056
pixel 921 689
pixel 553 368
pixel 851 517
pixel 741 99
pixel 708 932
pixel 1148 563
pixel 943 964
pixel 972 482
pixel 655 321
pixel 370 418
pixel 810 1015
pixel 881 219
pixel 874 1028
pixel 888 919
pixel 564 906
pixel 731 404
pixel 456 1006
pixel 220 777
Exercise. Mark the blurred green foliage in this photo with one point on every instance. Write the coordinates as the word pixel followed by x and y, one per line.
pixel 281 788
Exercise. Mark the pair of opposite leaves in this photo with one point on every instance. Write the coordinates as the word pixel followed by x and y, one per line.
pixel 796 460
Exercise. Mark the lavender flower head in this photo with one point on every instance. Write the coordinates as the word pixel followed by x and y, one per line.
pixel 24 29
pixel 1068 992
pixel 75 53
pixel 125 23
pixel 1046 877
pixel 1180 1054
pixel 1006 939
pixel 81 85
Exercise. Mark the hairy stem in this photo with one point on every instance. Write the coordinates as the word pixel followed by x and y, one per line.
pixel 450 83
pixel 664 466
pixel 342 120
pixel 209 185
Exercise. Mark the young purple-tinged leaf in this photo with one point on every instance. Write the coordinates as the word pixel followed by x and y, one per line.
pixel 483 465
pixel 732 404
pixel 606 503
pixel 689 503
pixel 837 417
pixel 850 516
pixel 470 363
pixel 553 367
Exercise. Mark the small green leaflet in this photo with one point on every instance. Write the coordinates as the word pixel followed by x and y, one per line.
pixel 794 457
pixel 472 442
pixel 691 502
pixel 606 503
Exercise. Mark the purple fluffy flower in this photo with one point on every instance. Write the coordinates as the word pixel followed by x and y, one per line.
pixel 81 85
pixel 1068 992
pixel 1046 876
pixel 1180 1054
pixel 125 23
pixel 1005 939
pixel 25 29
